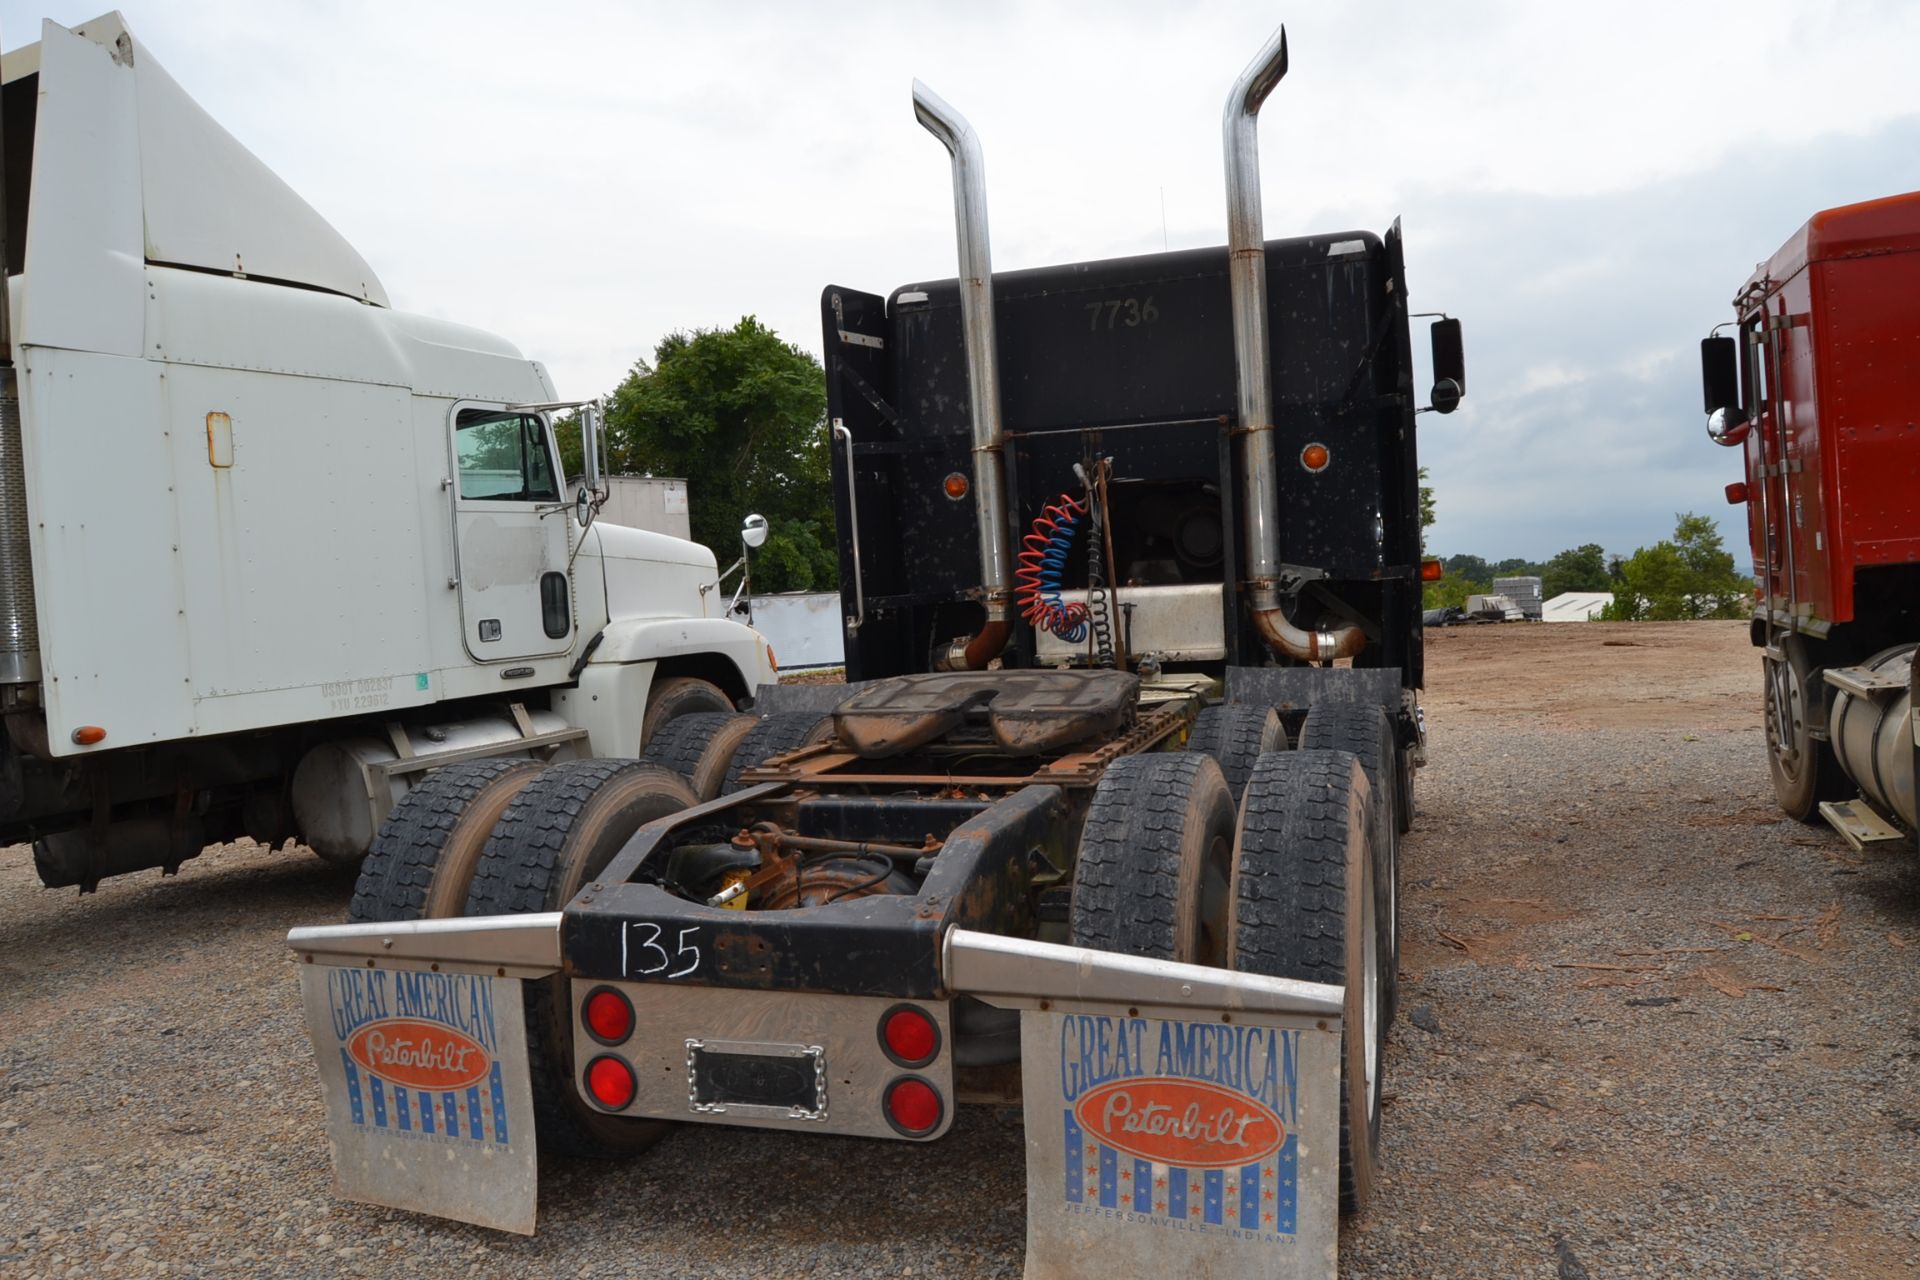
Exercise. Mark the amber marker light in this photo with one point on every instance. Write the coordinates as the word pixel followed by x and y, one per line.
pixel 956 486
pixel 1315 457
pixel 88 734
pixel 1432 571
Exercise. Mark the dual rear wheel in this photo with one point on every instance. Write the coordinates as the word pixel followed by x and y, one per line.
pixel 507 837
pixel 499 837
pixel 1282 884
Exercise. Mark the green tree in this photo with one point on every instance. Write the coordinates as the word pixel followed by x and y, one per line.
pixel 1691 576
pixel 1427 516
pixel 1581 568
pixel 1472 568
pixel 1452 589
pixel 740 414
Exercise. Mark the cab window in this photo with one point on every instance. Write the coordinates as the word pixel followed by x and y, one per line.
pixel 503 457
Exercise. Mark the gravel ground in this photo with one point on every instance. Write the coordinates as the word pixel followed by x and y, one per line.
pixel 1648 1029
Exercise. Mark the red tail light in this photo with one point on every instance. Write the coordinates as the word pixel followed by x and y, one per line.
pixel 909 1036
pixel 608 1016
pixel 913 1106
pixel 611 1082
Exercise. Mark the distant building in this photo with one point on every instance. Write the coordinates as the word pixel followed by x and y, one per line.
pixel 1575 606
pixel 1524 592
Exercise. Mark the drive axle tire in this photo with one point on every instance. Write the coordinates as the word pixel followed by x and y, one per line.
pixel 1364 730
pixel 1236 736
pixel 775 735
pixel 1404 795
pixel 677 696
pixel 1302 908
pixel 700 747
pixel 422 861
pixel 555 837
pixel 1154 862
pixel 1803 768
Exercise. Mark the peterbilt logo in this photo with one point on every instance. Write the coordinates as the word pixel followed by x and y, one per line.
pixel 419 1054
pixel 1168 1120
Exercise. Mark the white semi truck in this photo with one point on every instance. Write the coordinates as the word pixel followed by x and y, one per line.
pixel 271 550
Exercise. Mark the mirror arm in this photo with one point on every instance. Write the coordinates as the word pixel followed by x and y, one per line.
pixel 725 573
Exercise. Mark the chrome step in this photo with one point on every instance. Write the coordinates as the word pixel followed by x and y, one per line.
pixel 1865 682
pixel 1858 824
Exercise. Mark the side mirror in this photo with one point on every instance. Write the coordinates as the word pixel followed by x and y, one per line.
pixel 753 531
pixel 590 445
pixel 1449 366
pixel 583 506
pixel 1720 390
pixel 1719 374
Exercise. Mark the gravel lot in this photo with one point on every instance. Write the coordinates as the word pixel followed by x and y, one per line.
pixel 1649 1028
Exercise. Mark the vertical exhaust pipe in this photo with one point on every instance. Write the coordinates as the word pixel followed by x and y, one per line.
pixel 973 653
pixel 1247 277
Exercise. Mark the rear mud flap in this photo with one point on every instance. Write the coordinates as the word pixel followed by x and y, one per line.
pixel 1179 1120
pixel 423 1062
pixel 428 1102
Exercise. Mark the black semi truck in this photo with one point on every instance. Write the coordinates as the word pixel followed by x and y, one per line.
pixel 1104 818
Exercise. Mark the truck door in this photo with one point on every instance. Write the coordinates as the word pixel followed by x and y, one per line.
pixel 510 536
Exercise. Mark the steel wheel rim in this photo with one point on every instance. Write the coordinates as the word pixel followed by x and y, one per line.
pixel 1786 721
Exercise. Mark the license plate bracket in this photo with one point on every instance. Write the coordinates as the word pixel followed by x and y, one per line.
pixel 757 1078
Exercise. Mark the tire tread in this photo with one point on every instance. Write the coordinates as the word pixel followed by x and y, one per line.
pixel 399 869
pixel 1236 736
pixel 774 735
pixel 1290 900
pixel 1126 879
pixel 520 873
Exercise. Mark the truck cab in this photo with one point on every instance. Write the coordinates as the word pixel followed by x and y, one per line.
pixel 1814 386
pixel 272 546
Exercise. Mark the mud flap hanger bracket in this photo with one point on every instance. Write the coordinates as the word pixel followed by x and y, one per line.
pixel 1018 973
pixel 526 946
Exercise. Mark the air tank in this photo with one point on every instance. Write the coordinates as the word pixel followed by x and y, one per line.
pixel 1870 723
pixel 337 807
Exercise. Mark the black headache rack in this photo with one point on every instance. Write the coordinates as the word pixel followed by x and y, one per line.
pixel 873 945
pixel 1133 359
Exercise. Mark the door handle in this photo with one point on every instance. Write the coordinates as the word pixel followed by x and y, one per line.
pixel 859 617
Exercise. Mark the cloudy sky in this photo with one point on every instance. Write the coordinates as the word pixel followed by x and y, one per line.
pixel 1586 186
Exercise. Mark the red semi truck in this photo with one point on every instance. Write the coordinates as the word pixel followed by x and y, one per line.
pixel 1819 387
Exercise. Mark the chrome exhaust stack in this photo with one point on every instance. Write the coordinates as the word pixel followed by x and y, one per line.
pixel 973 653
pixel 1247 277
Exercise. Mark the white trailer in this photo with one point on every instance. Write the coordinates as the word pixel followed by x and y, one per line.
pixel 270 550
pixel 658 503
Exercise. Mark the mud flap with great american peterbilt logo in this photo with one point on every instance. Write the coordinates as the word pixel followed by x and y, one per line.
pixel 1178 1117
pixel 423 1064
